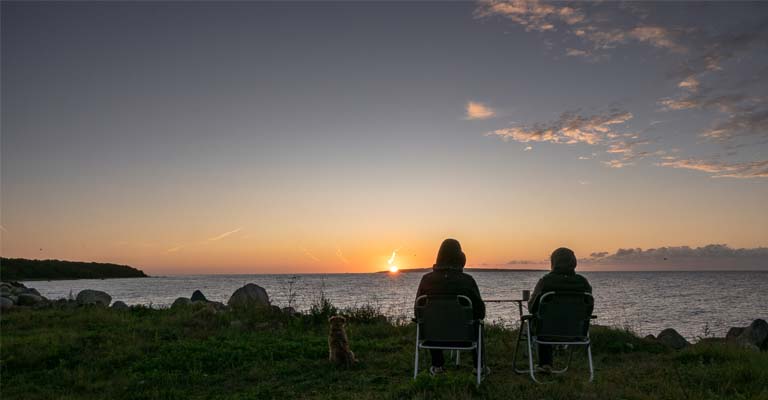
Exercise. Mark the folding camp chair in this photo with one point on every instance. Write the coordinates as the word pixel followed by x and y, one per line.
pixel 562 319
pixel 447 323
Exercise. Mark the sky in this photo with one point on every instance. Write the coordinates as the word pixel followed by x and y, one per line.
pixel 286 137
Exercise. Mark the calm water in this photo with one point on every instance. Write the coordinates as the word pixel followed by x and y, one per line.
pixel 646 302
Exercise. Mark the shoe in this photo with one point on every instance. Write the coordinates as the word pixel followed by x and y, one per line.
pixel 436 370
pixel 544 369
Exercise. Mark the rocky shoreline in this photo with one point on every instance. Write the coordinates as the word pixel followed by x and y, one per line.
pixel 16 296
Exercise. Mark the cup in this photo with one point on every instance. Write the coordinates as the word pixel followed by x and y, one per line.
pixel 526 295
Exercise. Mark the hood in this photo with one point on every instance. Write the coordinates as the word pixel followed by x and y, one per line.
pixel 450 256
pixel 563 261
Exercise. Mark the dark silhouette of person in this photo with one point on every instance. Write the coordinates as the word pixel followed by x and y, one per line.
pixel 448 278
pixel 562 278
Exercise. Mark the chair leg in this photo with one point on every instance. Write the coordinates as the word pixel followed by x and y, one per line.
pixel 568 363
pixel 416 362
pixel 591 367
pixel 517 347
pixel 479 352
pixel 531 369
pixel 458 357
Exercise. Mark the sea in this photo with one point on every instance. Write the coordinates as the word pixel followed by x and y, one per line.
pixel 696 304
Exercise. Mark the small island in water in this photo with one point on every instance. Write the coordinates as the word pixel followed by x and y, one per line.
pixel 21 269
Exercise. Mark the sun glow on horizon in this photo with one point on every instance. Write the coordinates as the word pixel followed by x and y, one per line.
pixel 392 267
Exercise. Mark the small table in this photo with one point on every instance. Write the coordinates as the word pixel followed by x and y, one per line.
pixel 518 301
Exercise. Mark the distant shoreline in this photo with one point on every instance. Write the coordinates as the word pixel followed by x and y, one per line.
pixel 21 269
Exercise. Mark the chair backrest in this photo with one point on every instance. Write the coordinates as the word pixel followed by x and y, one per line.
pixel 445 318
pixel 564 315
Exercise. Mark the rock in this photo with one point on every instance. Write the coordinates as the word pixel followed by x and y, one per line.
pixel 650 337
pixel 754 336
pixel 119 305
pixel 198 296
pixel 671 338
pixel 6 303
pixel 250 295
pixel 181 302
pixel 5 290
pixel 29 299
pixel 734 332
pixel 31 291
pixel 290 311
pixel 97 297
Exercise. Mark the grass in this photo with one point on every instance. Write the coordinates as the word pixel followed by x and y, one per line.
pixel 196 353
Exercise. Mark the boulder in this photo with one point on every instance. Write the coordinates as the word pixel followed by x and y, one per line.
pixel 669 337
pixel 6 303
pixel 250 295
pixel 754 336
pixel 119 305
pixel 29 299
pixel 31 291
pixel 5 290
pixel 181 302
pixel 97 297
pixel 290 311
pixel 734 332
pixel 198 296
pixel 650 337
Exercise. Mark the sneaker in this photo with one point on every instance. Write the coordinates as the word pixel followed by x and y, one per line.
pixel 436 370
pixel 544 369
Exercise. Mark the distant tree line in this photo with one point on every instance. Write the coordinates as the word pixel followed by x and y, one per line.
pixel 20 269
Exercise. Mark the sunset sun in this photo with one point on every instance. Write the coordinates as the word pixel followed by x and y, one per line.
pixel 393 268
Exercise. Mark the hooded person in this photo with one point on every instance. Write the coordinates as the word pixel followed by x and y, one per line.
pixel 448 278
pixel 563 278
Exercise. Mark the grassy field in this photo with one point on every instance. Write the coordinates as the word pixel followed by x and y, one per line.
pixel 196 353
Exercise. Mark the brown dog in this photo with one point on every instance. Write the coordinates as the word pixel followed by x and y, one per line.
pixel 338 344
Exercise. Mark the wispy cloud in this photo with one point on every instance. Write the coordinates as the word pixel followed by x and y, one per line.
pixel 719 169
pixel 569 128
pixel 340 256
pixel 204 242
pixel 476 110
pixel 528 148
pixel 713 255
pixel 225 234
pixel 309 255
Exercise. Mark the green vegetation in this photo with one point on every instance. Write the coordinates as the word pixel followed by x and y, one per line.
pixel 198 353
pixel 20 269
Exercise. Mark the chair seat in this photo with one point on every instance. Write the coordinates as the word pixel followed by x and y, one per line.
pixel 444 344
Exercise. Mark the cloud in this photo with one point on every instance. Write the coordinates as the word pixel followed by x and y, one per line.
pixel 528 148
pixel 205 242
pixel 176 248
pixel 341 257
pixel 658 37
pixel 719 169
pixel 476 110
pixel 309 255
pixel 573 20
pixel 705 257
pixel 225 234
pixel 569 128
pixel 526 262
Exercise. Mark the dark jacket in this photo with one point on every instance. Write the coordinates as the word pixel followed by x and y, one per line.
pixel 447 277
pixel 562 278
pixel 452 281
